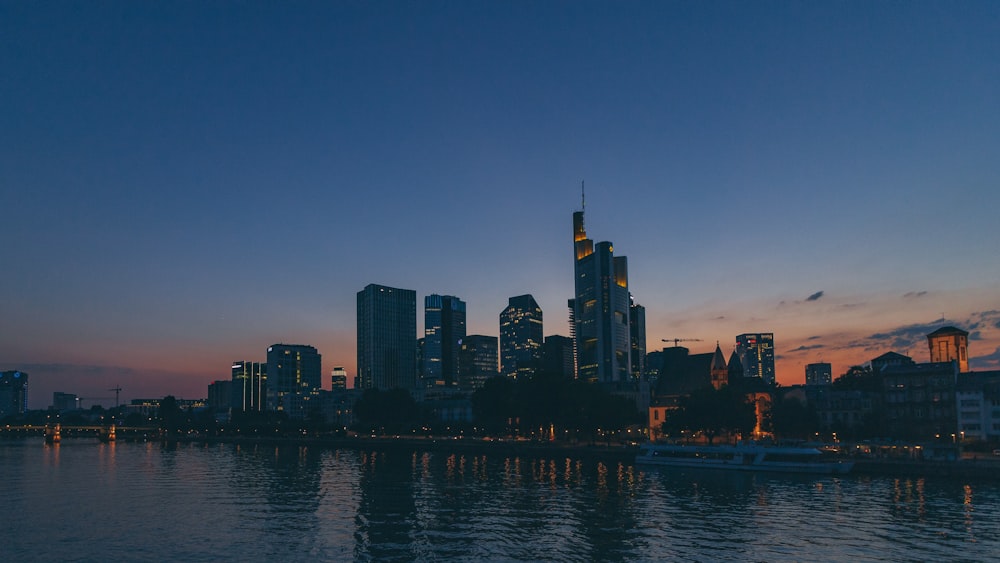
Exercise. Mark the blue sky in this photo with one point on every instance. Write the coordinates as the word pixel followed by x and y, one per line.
pixel 187 183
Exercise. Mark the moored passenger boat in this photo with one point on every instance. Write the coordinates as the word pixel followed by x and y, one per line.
pixel 743 457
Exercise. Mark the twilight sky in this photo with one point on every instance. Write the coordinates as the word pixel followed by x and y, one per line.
pixel 185 183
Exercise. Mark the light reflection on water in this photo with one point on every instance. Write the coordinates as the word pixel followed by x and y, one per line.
pixel 84 500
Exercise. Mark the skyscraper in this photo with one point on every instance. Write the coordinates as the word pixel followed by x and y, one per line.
pixel 249 386
pixel 600 310
pixel 820 373
pixel 294 371
pixel 477 361
pixel 387 337
pixel 557 356
pixel 637 337
pixel 756 354
pixel 521 337
pixel 13 392
pixel 444 329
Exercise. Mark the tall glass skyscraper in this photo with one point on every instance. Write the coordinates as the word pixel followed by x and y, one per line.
pixel 600 313
pixel 387 338
pixel 444 329
pixel 756 353
pixel 249 387
pixel 292 369
pixel 521 337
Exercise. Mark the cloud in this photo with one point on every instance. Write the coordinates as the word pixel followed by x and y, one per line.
pixel 804 348
pixel 914 294
pixel 815 296
pixel 814 338
pixel 989 361
pixel 852 305
pixel 905 336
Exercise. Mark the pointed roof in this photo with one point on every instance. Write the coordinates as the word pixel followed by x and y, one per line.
pixel 718 360
pixel 948 331
pixel 735 365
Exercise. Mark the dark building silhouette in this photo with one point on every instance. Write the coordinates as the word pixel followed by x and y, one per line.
pixel 63 402
pixel 890 359
pixel 919 400
pixel 521 337
pixel 637 338
pixel 557 356
pixel 600 316
pixel 249 386
pixel 819 373
pixel 950 344
pixel 220 395
pixel 294 374
pixel 444 329
pixel 387 337
pixel 13 393
pixel 680 374
pixel 756 353
pixel 477 361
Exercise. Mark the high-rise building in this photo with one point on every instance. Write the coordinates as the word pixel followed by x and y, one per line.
pixel 64 402
pixel 600 310
pixel 13 393
pixel 637 337
pixel 756 354
pixel 294 372
pixel 220 395
pixel 557 356
pixel 521 337
pixel 249 386
pixel 820 373
pixel 338 378
pixel 387 338
pixel 950 344
pixel 477 361
pixel 444 329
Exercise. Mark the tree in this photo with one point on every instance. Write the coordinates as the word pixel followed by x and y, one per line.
pixel 712 412
pixel 790 418
pixel 391 411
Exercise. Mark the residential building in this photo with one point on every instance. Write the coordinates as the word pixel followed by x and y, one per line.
pixel 387 337
pixel 601 310
pixel 521 337
pixel 756 354
pixel 919 400
pixel 977 398
pixel 444 329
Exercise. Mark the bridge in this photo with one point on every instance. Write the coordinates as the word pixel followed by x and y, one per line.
pixel 63 431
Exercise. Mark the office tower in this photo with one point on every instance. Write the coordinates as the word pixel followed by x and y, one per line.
pixel 338 379
pixel 557 356
pixel 294 371
pixel 637 337
pixel 950 344
pixel 64 402
pixel 249 386
pixel 756 354
pixel 820 373
pixel 600 310
pixel 220 395
pixel 387 337
pixel 444 329
pixel 477 361
pixel 13 393
pixel 520 337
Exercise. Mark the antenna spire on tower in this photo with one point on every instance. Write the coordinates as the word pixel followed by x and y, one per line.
pixel 583 197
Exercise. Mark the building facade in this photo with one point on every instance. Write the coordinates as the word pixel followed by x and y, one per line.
pixel 557 356
pixel 601 310
pixel 249 386
pixel 444 329
pixel 477 361
pixel 13 393
pixel 756 354
pixel 637 338
pixel 950 344
pixel 521 337
pixel 294 372
pixel 820 373
pixel 387 338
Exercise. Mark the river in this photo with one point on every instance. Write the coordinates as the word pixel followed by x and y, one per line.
pixel 86 501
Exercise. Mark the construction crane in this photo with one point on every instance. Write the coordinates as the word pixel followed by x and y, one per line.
pixel 117 389
pixel 676 340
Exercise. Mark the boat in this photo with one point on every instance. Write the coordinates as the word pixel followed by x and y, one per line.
pixel 744 457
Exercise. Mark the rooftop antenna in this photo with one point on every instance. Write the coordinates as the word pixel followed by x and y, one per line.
pixel 583 198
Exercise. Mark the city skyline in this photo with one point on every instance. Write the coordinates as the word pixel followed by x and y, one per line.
pixel 188 184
